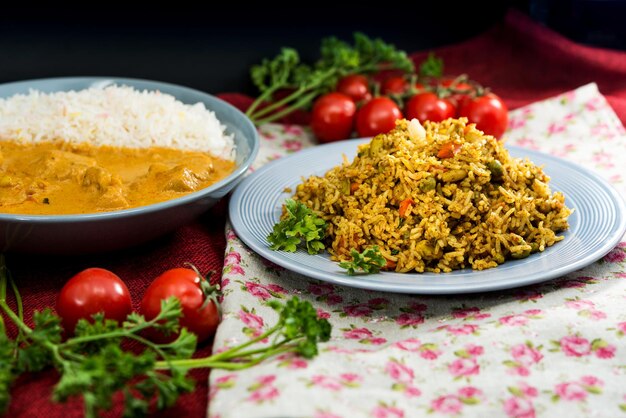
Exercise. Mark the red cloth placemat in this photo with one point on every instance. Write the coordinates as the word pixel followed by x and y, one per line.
pixel 40 279
pixel 520 60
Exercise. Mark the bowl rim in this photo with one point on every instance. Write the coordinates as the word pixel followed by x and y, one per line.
pixel 154 207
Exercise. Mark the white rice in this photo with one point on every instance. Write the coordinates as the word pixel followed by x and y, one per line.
pixel 114 115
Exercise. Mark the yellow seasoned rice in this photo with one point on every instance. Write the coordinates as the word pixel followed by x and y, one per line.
pixel 474 209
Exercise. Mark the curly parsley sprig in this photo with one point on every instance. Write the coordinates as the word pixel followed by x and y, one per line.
pixel 93 364
pixel 369 261
pixel 298 225
pixel 298 330
pixel 306 82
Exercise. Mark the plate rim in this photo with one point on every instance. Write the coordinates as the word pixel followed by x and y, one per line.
pixel 619 228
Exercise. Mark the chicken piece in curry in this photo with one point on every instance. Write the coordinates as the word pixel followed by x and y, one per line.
pixel 56 178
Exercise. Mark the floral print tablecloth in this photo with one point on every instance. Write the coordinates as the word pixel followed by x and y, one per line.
pixel 555 349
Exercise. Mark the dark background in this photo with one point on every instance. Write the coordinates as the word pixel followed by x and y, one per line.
pixel 212 49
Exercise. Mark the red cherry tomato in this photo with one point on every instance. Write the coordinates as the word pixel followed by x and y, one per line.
pixel 394 85
pixel 488 112
pixel 427 106
pixel 333 117
pixel 377 116
pixel 92 291
pixel 199 315
pixel 355 86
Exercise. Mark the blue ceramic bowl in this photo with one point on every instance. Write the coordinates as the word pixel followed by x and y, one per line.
pixel 89 233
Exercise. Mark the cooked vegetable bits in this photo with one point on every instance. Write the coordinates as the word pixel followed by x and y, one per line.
pixel 437 197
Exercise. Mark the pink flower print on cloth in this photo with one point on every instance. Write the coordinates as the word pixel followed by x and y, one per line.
pixel 467 363
pixel 409 319
pixel 447 404
pixel 252 323
pixel 292 361
pixel 520 405
pixel 473 312
pixel 520 319
pixel 578 391
pixel 264 292
pixel 232 264
pixel 552 349
pixel 325 414
pixel 325 292
pixel 464 367
pixel 577 346
pixel 515 407
pixel 263 390
pixel 462 329
pixel 399 372
pixel 452 404
pixel 336 383
pixel 403 377
pixel 616 255
pixel 586 308
pixel 524 356
pixel 387 411
pixel 364 335
pixel 428 351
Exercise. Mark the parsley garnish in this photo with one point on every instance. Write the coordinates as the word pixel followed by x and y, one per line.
pixel 306 82
pixel 431 66
pixel 299 224
pixel 369 261
pixel 93 364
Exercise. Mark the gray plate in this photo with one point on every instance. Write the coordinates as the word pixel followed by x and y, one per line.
pixel 74 234
pixel 596 226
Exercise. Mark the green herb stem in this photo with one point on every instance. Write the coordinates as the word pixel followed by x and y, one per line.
pixel 275 105
pixel 304 100
pixel 56 354
pixel 293 97
pixel 211 362
pixel 261 99
pixel 94 365
pixel 3 298
pixel 121 333
pixel 244 354
pixel 18 297
pixel 105 336
pixel 15 318
pixel 226 354
pixel 148 343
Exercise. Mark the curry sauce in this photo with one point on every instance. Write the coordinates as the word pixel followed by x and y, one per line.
pixel 55 178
